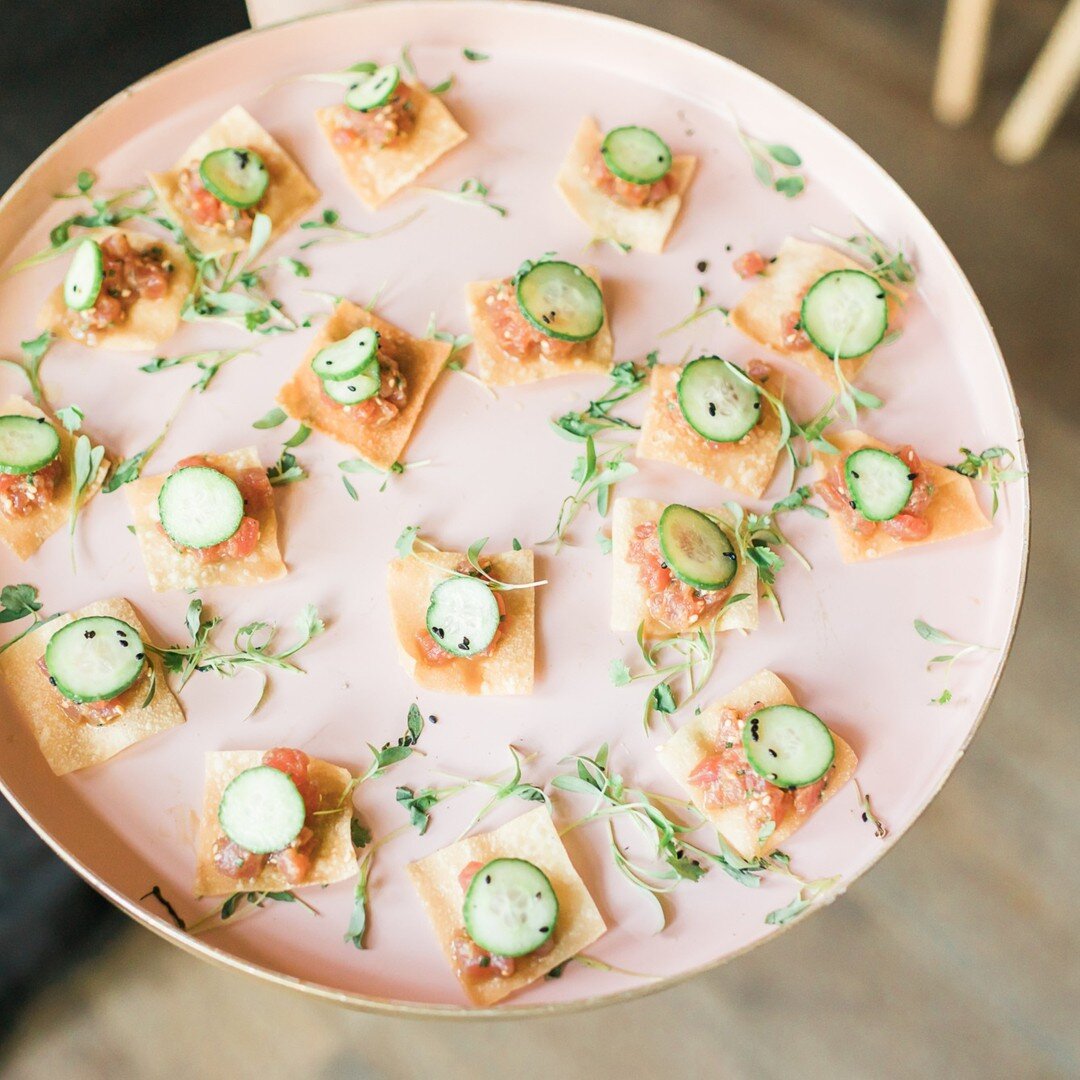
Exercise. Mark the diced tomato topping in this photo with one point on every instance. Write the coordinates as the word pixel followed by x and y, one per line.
pixel 207 210
pixel 94 713
pixel 515 334
pixel 380 127
pixel 387 403
pixel 750 264
pixel 758 370
pixel 431 652
pixel 295 764
pixel 792 334
pixel 236 862
pixel 22 494
pixel 468 873
pixel 295 860
pixel 241 544
pixel 623 191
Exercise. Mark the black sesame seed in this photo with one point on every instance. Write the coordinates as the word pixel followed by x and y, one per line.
pixel 88 634
pixel 912 475
pixel 126 644
pixel 712 408
pixel 438 631
pixel 757 404
pixel 729 555
pixel 433 719
pixel 727 247
pixel 52 681
pixel 855 474
pixel 851 503
pixel 487 879
pixel 544 929
pixel 881 296
pixel 772 751
pixel 464 643
pixel 703 265
pixel 140 656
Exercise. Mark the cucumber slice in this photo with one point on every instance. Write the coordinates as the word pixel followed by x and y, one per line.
pixel 358 388
pixel 510 908
pixel 718 400
pixel 636 154
pixel 200 507
pixel 348 357
pixel 845 313
pixel 560 300
pixel 462 616
pixel 235 175
pixel 27 444
pixel 82 283
pixel 94 659
pixel 262 810
pixel 697 551
pixel 789 746
pixel 880 483
pixel 374 91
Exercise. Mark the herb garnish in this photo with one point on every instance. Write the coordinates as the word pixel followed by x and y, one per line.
pixel 334 232
pixel 287 470
pixel 359 465
pixel 472 191
pixel 33 353
pixel 986 467
pixel 86 462
pixel 274 418
pixel 808 893
pixel 759 538
pixel 242 904
pixel 700 310
pixel 209 362
pixel 768 159
pixel 867 814
pixel 883 263
pixel 474 56
pixel 411 544
pixel 21 602
pixel 627 379
pixel 939 637
pixel 595 472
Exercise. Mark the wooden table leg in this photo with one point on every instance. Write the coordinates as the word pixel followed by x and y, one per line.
pixel 964 40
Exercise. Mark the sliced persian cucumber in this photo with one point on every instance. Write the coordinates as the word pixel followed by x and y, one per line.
pixel 510 908
pixel 880 483
pixel 82 283
pixel 374 91
pixel 695 548
pixel 462 616
pixel 845 313
pixel 348 357
pixel 262 810
pixel 789 746
pixel 94 659
pixel 636 154
pixel 200 507
pixel 718 401
pixel 358 388
pixel 235 175
pixel 561 300
pixel 27 444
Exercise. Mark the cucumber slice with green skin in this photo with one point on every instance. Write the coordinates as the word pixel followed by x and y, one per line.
pixel 95 659
pixel 845 313
pixel 510 908
pixel 358 388
pixel 462 616
pixel 636 154
pixel 879 483
pixel 348 357
pixel 200 507
pixel 27 444
pixel 374 91
pixel 788 746
pixel 235 175
pixel 561 300
pixel 697 551
pixel 82 283
pixel 262 810
pixel 718 400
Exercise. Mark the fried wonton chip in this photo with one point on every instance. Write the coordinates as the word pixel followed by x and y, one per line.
pixel 696 740
pixel 953 510
pixel 66 744
pixel 420 360
pixel 289 194
pixel 508 668
pixel 500 368
pixel 25 533
pixel 745 466
pixel 643 228
pixel 168 568
pixel 628 605
pixel 377 174
pixel 334 859
pixel 149 323
pixel 763 311
pixel 533 837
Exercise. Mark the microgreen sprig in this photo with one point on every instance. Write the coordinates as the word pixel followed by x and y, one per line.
pixel 209 362
pixel 33 352
pixel 866 812
pixel 411 545
pixel 627 380
pixel 759 539
pixel 883 262
pixel 354 466
pixel 472 191
pixel 287 470
pixel 86 462
pixel 240 905
pixel 330 229
pixel 21 602
pixel 939 637
pixel 994 466
pixel 767 159
pixel 699 311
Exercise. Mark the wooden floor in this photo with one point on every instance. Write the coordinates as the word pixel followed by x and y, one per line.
pixel 959 955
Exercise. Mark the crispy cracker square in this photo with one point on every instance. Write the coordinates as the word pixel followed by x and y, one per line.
pixel 643 228
pixel 334 859
pixel 378 174
pixel 168 568
pixel 421 361
pixel 25 533
pixel 289 194
pixel 628 607
pixel 508 669
pixel 745 466
pixel 953 510
pixel 531 836
pixel 681 754
pixel 149 323
pixel 67 745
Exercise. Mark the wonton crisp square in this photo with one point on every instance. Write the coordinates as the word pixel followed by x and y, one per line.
pixel 533 837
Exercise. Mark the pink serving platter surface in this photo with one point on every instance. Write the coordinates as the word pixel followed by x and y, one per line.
pixel 847 646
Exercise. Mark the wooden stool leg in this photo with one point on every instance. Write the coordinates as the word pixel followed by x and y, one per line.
pixel 1046 91
pixel 964 39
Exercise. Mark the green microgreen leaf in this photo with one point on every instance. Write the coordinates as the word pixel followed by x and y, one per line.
pixel 994 467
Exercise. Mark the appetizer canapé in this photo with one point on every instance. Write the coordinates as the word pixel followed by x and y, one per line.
pixel 546 320
pixel 507 906
pixel 757 764
pixel 364 382
pixel 211 521
pixel 712 418
pixel 882 500
pixel 626 185
pixel 88 686
pixel 386 132
pixel 263 827
pixel 231 172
